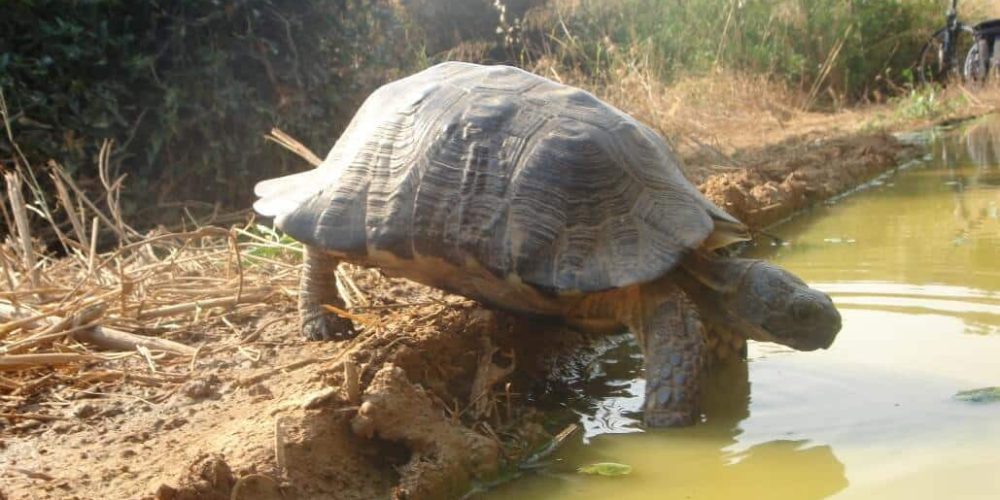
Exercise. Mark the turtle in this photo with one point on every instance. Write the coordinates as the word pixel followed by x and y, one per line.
pixel 538 198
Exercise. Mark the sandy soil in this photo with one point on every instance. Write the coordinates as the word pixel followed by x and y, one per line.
pixel 419 405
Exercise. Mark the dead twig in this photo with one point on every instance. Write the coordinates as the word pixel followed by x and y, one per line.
pixel 20 211
pixel 351 381
pixel 286 141
pixel 83 197
pixel 534 461
pixel 259 296
pixel 487 375
pixel 14 362
pixel 80 323
pixel 31 416
pixel 279 442
pixel 117 340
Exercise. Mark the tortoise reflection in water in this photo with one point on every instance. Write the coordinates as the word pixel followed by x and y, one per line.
pixel 538 198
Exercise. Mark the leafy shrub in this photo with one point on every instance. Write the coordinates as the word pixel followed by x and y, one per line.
pixel 444 24
pixel 188 87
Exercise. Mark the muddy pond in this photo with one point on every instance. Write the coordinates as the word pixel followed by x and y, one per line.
pixel 913 263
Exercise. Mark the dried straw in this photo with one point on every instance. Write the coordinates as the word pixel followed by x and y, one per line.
pixel 124 300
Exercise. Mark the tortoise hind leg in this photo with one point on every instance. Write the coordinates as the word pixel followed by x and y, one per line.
pixel 318 286
pixel 673 344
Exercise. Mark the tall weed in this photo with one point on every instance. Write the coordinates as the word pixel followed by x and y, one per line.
pixel 830 50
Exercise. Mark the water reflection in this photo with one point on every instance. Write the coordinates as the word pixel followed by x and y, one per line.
pixel 708 458
pixel 982 144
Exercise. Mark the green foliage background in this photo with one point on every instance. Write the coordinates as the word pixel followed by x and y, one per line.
pixel 188 87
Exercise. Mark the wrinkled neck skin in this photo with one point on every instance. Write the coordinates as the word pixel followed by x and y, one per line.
pixel 759 300
pixel 711 284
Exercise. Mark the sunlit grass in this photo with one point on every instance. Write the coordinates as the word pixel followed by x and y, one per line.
pixel 828 50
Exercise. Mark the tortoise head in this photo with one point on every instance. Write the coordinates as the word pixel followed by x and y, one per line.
pixel 767 303
pixel 780 307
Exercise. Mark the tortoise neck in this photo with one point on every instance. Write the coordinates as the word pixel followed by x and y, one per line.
pixel 713 284
pixel 713 274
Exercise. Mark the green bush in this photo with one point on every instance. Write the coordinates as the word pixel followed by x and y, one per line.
pixel 187 88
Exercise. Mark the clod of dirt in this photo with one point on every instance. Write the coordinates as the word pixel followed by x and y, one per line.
pixel 444 455
pixel 173 423
pixel 61 428
pixel 256 487
pixel 201 388
pixel 209 478
pixel 84 409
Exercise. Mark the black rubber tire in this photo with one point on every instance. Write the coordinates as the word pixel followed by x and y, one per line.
pixel 976 68
pixel 931 66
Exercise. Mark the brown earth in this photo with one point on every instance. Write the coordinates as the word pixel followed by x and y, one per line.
pixel 419 405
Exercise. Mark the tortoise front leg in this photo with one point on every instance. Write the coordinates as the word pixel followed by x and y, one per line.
pixel 318 286
pixel 673 349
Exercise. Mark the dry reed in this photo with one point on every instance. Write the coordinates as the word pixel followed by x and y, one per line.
pixel 107 303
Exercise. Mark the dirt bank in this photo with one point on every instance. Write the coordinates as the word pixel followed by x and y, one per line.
pixel 419 405
pixel 778 180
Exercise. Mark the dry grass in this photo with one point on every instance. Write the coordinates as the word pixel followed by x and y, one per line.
pixel 97 318
pixel 705 117
pixel 975 10
pixel 90 314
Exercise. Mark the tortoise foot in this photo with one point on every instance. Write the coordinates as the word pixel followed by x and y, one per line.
pixel 325 327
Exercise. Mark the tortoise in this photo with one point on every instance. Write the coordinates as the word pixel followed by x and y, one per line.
pixel 537 198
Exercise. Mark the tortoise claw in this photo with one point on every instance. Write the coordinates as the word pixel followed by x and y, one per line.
pixel 325 327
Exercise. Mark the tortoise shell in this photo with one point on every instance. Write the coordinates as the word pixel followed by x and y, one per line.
pixel 528 178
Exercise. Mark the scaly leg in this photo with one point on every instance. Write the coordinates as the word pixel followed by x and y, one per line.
pixel 318 286
pixel 673 347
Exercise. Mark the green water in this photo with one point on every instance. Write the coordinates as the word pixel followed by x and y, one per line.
pixel 913 263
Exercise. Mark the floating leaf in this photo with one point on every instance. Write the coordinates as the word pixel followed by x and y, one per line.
pixel 981 395
pixel 606 469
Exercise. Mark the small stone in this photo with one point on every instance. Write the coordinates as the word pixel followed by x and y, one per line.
pixel 256 487
pixel 165 492
pixel 136 437
pixel 113 411
pixel 202 388
pixel 63 427
pixel 175 423
pixel 27 425
pixel 85 410
pixel 260 391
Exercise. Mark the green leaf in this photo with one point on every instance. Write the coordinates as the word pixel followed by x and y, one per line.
pixel 981 395
pixel 606 469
